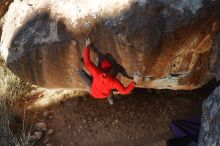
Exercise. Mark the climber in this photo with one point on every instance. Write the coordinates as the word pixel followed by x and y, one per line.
pixel 103 83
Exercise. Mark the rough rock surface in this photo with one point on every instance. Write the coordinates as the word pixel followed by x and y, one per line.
pixel 215 55
pixel 4 4
pixel 170 43
pixel 210 127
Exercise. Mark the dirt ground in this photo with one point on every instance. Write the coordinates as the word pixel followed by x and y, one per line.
pixel 139 119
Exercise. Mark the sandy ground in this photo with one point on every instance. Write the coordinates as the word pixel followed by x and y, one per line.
pixel 139 119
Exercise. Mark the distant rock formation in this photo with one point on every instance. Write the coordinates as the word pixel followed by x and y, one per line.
pixel 173 44
pixel 210 127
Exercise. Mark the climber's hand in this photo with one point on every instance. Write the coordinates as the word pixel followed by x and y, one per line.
pixel 88 42
pixel 136 76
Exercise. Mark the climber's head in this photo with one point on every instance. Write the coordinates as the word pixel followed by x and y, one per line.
pixel 106 65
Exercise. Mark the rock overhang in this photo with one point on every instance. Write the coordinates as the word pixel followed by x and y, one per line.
pixel 164 40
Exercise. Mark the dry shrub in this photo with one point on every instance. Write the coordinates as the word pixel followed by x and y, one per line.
pixel 11 90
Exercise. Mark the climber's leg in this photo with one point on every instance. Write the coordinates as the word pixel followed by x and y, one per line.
pixel 110 99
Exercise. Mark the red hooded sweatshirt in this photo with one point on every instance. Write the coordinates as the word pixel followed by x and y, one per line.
pixel 103 83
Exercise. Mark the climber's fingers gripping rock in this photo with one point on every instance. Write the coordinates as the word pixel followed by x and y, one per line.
pixel 88 42
pixel 136 76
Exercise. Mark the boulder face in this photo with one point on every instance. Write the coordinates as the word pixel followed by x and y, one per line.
pixel 210 127
pixel 172 44
pixel 4 4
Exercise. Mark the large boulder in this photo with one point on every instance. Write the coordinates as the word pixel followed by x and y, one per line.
pixel 4 4
pixel 170 43
pixel 210 126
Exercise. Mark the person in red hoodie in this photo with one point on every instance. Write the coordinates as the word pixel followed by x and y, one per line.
pixel 103 82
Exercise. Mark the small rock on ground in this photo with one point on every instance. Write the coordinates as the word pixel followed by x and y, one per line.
pixel 50 131
pixel 38 134
pixel 32 138
pixel 41 126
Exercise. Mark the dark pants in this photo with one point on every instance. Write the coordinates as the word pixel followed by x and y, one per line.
pixel 183 141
